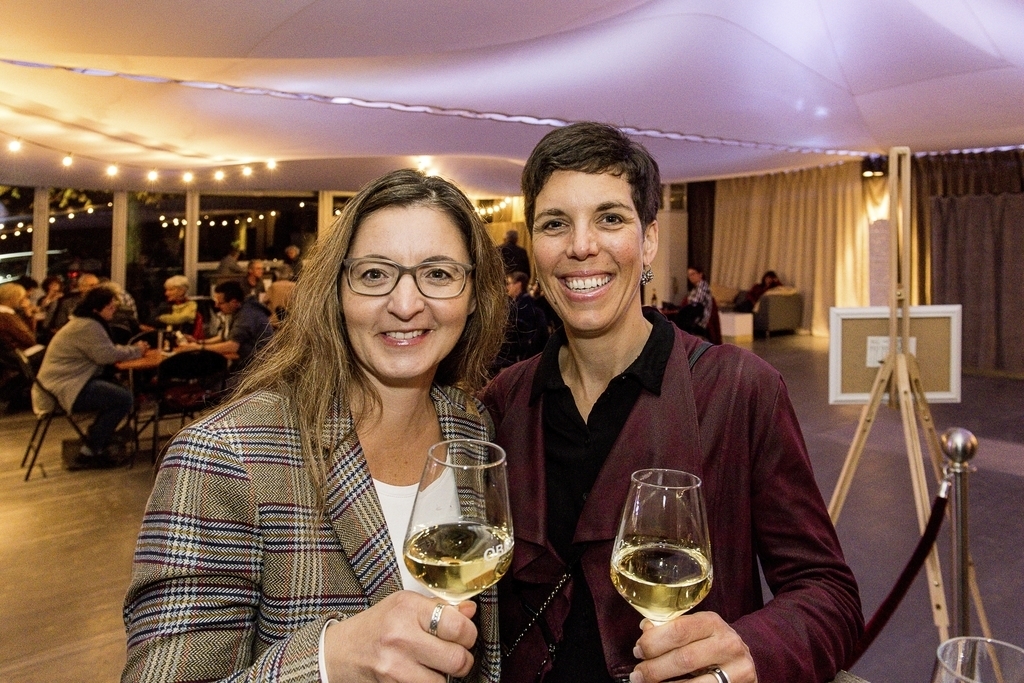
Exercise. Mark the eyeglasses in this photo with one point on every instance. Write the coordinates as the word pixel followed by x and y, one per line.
pixel 379 277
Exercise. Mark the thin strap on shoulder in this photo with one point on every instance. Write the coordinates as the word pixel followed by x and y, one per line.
pixel 698 352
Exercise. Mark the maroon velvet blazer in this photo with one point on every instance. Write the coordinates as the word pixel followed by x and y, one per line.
pixel 733 425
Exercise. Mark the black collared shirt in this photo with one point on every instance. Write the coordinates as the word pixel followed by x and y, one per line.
pixel 574 452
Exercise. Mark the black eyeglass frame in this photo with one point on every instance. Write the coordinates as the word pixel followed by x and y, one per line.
pixel 346 268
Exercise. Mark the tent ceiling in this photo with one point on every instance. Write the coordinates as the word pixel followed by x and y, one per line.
pixel 740 87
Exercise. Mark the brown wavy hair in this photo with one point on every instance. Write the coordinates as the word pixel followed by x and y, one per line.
pixel 310 360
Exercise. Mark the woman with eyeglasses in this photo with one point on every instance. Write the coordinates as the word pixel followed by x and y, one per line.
pixel 272 542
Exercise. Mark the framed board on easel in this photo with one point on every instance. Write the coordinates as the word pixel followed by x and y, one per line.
pixel 859 344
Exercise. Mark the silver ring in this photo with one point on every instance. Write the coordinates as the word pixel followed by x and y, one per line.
pixel 719 675
pixel 435 619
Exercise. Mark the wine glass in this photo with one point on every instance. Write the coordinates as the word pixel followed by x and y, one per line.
pixel 459 541
pixel 978 660
pixel 661 560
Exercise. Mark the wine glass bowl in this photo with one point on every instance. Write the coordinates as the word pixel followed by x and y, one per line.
pixel 459 541
pixel 978 660
pixel 661 559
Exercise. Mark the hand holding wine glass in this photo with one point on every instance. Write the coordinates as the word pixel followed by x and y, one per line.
pixel 661 559
pixel 459 541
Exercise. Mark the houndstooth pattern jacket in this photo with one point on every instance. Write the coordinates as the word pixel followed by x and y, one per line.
pixel 235 575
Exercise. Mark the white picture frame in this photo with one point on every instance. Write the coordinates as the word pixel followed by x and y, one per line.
pixel 859 337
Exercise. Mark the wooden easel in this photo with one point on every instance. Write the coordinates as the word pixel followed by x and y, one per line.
pixel 900 377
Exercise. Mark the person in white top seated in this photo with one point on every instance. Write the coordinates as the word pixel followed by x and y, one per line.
pixel 272 545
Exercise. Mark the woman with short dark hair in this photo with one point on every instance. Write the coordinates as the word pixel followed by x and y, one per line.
pixel 614 392
pixel 71 369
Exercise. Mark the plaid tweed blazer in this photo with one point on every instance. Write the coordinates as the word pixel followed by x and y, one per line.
pixel 234 576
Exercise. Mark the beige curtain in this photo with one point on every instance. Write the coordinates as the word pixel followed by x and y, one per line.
pixel 809 226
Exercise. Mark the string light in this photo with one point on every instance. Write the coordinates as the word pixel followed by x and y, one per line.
pixel 113 169
pixel 187 176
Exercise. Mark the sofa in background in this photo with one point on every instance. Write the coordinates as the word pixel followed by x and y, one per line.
pixel 779 310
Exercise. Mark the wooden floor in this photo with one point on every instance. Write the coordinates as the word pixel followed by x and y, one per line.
pixel 66 541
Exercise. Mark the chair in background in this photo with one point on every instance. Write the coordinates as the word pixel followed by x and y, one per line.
pixel 186 384
pixel 43 419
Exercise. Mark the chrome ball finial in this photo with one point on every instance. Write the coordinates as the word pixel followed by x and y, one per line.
pixel 959 444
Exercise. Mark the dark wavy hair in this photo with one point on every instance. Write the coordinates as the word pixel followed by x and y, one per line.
pixel 95 301
pixel 590 147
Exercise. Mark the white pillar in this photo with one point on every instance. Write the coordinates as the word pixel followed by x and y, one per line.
pixel 40 233
pixel 119 238
pixel 192 238
pixel 324 212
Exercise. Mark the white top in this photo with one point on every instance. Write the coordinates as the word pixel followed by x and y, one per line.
pixel 396 503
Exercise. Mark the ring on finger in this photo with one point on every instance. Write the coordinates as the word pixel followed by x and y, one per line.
pixel 720 676
pixel 435 619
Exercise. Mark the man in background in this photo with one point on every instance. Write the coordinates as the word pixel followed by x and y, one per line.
pixel 515 257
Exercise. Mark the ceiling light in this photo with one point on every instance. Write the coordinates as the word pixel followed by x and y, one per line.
pixel 67 160
pixel 111 170
pixel 219 175
pixel 187 177
pixel 71 215
pixel 271 164
pixel 14 145
pixel 152 176
pixel 246 171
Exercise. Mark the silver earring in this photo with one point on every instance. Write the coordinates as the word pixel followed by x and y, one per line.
pixel 646 276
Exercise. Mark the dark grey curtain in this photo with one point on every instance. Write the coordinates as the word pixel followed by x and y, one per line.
pixel 700 223
pixel 953 175
pixel 978 262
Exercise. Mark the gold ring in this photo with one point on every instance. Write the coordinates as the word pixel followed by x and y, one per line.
pixel 435 618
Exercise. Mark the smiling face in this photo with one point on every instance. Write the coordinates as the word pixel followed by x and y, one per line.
pixel 590 250
pixel 399 339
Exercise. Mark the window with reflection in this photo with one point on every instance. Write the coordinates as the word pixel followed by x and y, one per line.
pixel 81 230
pixel 261 226
pixel 16 206
pixel 155 247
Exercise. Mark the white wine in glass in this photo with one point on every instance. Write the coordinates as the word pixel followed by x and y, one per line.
pixel 459 541
pixel 661 559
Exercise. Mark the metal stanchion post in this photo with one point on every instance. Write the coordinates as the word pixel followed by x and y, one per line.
pixel 960 446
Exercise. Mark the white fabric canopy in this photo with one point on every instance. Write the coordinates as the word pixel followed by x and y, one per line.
pixel 339 91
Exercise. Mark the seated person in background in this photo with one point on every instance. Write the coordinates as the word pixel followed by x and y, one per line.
pixel 125 323
pixel 86 283
pixel 53 290
pixel 526 331
pixel 229 264
pixel 252 283
pixel 746 301
pixel 292 261
pixel 74 360
pixel 178 310
pixel 247 325
pixel 279 294
pixel 695 312
pixel 14 331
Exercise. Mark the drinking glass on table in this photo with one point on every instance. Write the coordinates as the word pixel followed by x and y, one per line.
pixel 978 660
pixel 661 559
pixel 459 541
